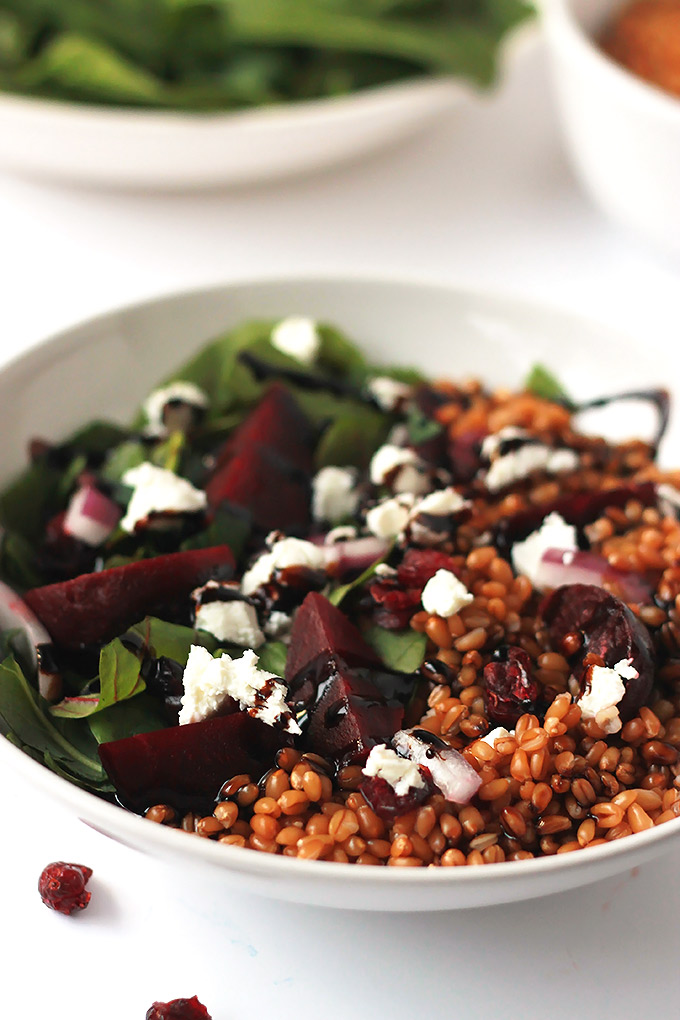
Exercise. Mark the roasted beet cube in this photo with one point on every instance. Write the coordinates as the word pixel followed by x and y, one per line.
pixel 276 493
pixel 96 607
pixel 185 766
pixel 350 717
pixel 320 632
pixel 278 424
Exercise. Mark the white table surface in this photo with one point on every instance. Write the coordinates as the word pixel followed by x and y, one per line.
pixel 486 200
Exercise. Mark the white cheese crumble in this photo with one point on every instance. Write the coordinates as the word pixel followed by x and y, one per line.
pixel 554 533
pixel 297 337
pixel 498 734
pixel 388 393
pixel 441 503
pixel 606 689
pixel 491 444
pixel 519 464
pixel 402 468
pixel 343 533
pixel 187 392
pixel 388 518
pixel 278 624
pixel 334 494
pixel 158 491
pixel 208 682
pixel 286 552
pixel 445 595
pixel 234 621
pixel 401 773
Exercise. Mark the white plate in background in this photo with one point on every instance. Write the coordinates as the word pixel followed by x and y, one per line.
pixel 117 147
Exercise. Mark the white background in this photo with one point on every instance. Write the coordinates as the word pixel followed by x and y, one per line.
pixel 486 199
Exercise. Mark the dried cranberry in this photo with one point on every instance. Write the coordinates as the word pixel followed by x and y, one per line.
pixel 395 605
pixel 62 886
pixel 419 565
pixel 511 691
pixel 178 1009
pixel 380 796
pixel 608 629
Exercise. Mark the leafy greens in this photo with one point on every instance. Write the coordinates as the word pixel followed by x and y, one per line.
pixel 230 54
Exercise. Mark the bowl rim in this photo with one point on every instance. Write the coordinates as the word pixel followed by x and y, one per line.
pixel 123 825
pixel 565 31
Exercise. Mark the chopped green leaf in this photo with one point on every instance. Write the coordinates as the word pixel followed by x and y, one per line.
pixel 420 427
pixel 352 439
pixel 402 650
pixel 339 594
pixel 119 678
pixel 272 657
pixel 542 383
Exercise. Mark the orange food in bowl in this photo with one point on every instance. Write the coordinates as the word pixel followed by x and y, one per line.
pixel 645 38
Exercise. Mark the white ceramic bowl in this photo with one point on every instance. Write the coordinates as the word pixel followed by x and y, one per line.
pixel 113 361
pixel 163 150
pixel 623 133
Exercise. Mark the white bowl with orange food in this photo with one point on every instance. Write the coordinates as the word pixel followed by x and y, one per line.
pixel 622 129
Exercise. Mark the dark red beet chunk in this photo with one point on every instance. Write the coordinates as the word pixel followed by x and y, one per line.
pixel 579 509
pixel 96 607
pixel 278 424
pixel 322 630
pixel 465 455
pixel 185 766
pixel 62 886
pixel 350 717
pixel 385 802
pixel 274 492
pixel 178 1009
pixel 608 629
pixel 511 691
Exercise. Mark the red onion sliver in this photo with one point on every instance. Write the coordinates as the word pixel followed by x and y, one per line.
pixel 450 772
pixel 354 555
pixel 91 516
pixel 573 566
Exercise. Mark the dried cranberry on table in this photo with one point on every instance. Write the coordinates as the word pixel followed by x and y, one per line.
pixel 178 1009
pixel 62 886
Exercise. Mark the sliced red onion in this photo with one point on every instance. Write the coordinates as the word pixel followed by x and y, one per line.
pixel 91 516
pixel 16 615
pixel 573 566
pixel 450 772
pixel 355 555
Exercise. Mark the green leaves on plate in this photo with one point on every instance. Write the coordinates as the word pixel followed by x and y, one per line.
pixel 542 383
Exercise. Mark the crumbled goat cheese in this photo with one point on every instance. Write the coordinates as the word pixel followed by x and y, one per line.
pixel 498 734
pixel 186 392
pixel 606 689
pixel 441 503
pixel 519 464
pixel 278 624
pixel 554 533
pixel 158 491
pixel 234 621
pixel 298 337
pixel 389 518
pixel 286 552
pixel 388 393
pixel 334 494
pixel 384 570
pixel 343 533
pixel 401 468
pixel 208 682
pixel 492 444
pixel 445 595
pixel 401 773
